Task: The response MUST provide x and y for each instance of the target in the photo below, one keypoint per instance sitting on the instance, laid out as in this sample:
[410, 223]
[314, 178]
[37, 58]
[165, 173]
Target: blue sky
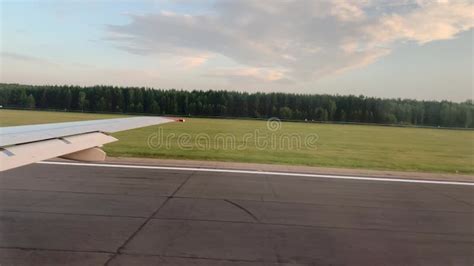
[408, 48]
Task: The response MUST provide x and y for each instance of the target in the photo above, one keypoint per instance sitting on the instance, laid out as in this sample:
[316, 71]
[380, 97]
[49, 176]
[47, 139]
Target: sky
[418, 49]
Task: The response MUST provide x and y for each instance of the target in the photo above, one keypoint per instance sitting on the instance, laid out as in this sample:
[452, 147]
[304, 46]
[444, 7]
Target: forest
[221, 103]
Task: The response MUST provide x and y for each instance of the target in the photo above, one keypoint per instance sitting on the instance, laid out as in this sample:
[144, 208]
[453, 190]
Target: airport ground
[335, 146]
[349, 210]
[122, 214]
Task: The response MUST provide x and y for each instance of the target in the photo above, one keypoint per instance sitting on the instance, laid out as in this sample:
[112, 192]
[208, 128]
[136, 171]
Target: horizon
[412, 49]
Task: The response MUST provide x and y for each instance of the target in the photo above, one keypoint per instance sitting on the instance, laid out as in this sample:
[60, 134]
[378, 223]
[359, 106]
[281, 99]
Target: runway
[53, 214]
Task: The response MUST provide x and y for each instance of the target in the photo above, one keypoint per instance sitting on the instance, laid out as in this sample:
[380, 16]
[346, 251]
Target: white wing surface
[23, 145]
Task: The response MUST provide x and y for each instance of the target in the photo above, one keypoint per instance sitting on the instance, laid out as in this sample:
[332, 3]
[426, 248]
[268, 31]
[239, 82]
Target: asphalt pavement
[82, 215]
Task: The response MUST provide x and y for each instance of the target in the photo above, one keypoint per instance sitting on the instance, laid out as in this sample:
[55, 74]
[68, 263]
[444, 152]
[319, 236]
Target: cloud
[431, 21]
[299, 40]
[26, 58]
[193, 61]
[253, 73]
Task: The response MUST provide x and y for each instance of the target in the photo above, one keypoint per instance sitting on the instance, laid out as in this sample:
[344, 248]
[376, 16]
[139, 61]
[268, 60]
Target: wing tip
[179, 120]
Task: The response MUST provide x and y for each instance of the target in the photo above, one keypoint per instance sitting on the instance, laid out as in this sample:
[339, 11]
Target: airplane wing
[22, 145]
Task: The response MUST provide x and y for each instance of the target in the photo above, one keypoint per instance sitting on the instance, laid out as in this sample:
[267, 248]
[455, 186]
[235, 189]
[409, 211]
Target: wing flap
[23, 154]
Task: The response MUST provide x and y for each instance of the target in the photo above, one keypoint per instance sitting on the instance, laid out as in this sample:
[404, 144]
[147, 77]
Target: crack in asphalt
[120, 249]
[255, 218]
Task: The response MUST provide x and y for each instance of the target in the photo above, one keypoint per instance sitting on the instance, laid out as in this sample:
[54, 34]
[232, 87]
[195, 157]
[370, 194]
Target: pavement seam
[59, 250]
[77, 214]
[80, 192]
[332, 205]
[316, 226]
[148, 219]
[191, 257]
[269, 201]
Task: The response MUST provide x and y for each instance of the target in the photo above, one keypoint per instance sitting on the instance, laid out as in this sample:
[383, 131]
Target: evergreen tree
[240, 104]
[82, 101]
[30, 102]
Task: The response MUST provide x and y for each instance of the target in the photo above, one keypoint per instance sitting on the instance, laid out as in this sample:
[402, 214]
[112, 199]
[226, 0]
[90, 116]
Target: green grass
[346, 146]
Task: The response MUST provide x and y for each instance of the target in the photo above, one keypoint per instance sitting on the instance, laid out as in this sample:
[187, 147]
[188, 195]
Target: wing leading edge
[22, 145]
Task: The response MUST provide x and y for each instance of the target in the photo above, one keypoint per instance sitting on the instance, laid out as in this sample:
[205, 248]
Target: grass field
[345, 146]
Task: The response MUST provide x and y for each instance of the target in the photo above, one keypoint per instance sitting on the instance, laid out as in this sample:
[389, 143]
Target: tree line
[310, 107]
